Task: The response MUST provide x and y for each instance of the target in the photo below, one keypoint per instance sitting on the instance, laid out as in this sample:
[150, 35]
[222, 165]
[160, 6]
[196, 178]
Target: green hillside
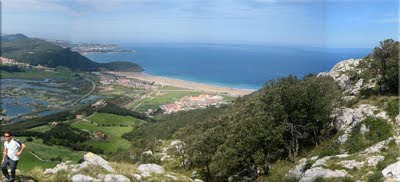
[37, 51]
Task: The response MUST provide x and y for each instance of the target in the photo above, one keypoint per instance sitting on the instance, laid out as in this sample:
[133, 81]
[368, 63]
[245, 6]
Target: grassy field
[112, 119]
[114, 140]
[161, 97]
[37, 74]
[41, 129]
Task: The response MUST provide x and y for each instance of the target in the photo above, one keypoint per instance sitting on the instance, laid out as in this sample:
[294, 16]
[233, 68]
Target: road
[86, 95]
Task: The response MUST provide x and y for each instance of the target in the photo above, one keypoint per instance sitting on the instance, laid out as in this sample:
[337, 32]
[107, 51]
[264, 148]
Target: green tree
[385, 63]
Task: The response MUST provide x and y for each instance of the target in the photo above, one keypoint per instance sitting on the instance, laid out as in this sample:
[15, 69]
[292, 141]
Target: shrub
[29, 139]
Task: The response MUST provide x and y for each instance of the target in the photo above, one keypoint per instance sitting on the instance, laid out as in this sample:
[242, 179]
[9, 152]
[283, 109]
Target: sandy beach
[184, 83]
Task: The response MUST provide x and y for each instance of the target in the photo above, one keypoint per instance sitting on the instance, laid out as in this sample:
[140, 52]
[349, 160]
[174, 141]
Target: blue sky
[320, 23]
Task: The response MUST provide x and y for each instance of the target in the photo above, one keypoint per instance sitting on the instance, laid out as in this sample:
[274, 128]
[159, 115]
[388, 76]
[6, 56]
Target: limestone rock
[377, 147]
[374, 160]
[392, 172]
[319, 172]
[357, 87]
[198, 180]
[115, 177]
[83, 178]
[351, 164]
[93, 159]
[60, 167]
[137, 176]
[321, 162]
[149, 152]
[147, 169]
[338, 72]
[347, 118]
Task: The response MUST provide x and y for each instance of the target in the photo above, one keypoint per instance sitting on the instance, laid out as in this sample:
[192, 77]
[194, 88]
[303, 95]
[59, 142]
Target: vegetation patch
[377, 130]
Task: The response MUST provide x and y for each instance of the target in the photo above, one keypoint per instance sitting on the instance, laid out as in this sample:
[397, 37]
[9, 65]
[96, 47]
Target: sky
[317, 23]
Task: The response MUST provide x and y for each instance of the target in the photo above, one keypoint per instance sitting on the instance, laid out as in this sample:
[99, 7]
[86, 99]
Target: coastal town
[153, 91]
[13, 62]
[193, 102]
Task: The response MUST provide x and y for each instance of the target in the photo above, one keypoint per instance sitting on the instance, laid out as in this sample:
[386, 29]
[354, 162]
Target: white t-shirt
[12, 148]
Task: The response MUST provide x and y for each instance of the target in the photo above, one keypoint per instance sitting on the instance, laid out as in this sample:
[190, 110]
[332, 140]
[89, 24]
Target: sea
[231, 65]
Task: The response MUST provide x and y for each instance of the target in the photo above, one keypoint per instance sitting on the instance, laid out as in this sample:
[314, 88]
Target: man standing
[12, 150]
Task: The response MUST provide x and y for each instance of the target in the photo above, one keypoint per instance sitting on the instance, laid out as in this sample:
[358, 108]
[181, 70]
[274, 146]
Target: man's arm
[20, 151]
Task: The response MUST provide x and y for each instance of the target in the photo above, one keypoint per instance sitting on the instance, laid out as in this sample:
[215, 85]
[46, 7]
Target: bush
[392, 107]
[29, 139]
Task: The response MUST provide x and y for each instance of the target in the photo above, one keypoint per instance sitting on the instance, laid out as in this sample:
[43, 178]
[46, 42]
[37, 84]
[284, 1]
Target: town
[193, 102]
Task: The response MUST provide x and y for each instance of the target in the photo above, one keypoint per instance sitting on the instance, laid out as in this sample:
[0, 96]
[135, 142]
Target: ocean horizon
[230, 65]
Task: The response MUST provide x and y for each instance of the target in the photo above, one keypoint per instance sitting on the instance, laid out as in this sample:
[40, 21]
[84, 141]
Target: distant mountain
[13, 37]
[37, 51]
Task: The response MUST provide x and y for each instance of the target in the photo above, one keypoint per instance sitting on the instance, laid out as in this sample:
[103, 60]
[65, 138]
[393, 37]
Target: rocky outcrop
[377, 147]
[339, 72]
[59, 167]
[392, 172]
[93, 159]
[347, 118]
[319, 172]
[90, 159]
[147, 169]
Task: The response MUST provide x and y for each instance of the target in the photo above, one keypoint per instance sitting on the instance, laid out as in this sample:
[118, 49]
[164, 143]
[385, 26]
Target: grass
[279, 171]
[114, 141]
[114, 120]
[37, 74]
[42, 129]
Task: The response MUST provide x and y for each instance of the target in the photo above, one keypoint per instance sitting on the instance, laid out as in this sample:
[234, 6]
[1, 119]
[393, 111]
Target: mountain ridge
[36, 51]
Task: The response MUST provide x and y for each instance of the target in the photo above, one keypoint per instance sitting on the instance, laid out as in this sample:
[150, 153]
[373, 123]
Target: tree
[385, 63]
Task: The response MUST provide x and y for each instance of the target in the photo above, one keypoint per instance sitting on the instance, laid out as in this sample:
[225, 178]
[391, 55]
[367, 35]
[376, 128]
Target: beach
[185, 84]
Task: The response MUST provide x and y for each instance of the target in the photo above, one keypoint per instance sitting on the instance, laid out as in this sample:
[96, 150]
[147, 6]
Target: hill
[40, 52]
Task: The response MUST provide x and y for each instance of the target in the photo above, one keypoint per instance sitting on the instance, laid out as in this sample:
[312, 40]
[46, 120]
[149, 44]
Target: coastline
[185, 84]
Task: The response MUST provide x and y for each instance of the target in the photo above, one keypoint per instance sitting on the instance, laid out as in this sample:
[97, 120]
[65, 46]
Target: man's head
[7, 136]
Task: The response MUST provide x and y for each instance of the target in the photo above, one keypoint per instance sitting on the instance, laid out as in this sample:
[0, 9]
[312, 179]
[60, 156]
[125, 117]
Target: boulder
[319, 172]
[392, 172]
[93, 159]
[137, 176]
[83, 178]
[115, 177]
[374, 160]
[147, 169]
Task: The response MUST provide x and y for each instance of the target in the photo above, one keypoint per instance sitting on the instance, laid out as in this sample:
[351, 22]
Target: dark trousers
[4, 169]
